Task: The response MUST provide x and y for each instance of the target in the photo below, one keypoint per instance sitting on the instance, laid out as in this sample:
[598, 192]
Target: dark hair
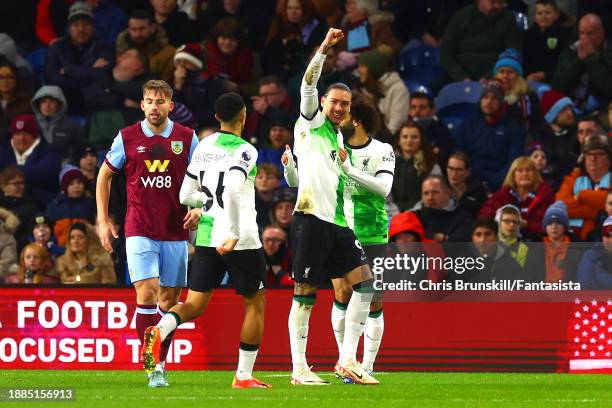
[141, 14]
[268, 169]
[484, 222]
[338, 85]
[228, 27]
[4, 62]
[363, 110]
[548, 3]
[461, 156]
[425, 160]
[272, 79]
[228, 106]
[423, 95]
[9, 173]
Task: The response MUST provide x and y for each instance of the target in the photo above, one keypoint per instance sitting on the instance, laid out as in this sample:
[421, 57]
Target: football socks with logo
[246, 360]
[338, 315]
[356, 316]
[301, 308]
[168, 324]
[372, 336]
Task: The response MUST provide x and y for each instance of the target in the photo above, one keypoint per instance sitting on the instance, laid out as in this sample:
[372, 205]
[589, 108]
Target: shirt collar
[149, 133]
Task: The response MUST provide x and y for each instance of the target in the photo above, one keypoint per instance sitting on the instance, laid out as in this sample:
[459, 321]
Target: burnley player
[154, 154]
[220, 185]
[325, 247]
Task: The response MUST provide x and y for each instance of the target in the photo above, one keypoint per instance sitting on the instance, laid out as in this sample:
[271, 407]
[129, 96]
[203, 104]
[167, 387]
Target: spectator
[594, 269]
[484, 238]
[491, 138]
[422, 111]
[509, 221]
[281, 135]
[147, 37]
[266, 183]
[561, 142]
[281, 208]
[414, 161]
[41, 233]
[523, 103]
[560, 261]
[584, 189]
[14, 96]
[587, 127]
[15, 199]
[272, 97]
[524, 188]
[176, 24]
[470, 195]
[86, 159]
[228, 57]
[295, 29]
[551, 33]
[584, 68]
[278, 257]
[192, 88]
[365, 27]
[8, 50]
[49, 105]
[474, 38]
[70, 205]
[34, 267]
[595, 234]
[438, 212]
[79, 59]
[8, 245]
[379, 81]
[538, 156]
[39, 162]
[85, 261]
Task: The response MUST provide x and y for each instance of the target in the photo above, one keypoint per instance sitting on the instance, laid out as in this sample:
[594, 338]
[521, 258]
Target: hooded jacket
[594, 269]
[8, 246]
[394, 105]
[451, 221]
[8, 50]
[59, 130]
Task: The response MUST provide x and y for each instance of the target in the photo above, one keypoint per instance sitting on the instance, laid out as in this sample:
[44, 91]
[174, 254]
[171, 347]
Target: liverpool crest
[177, 147]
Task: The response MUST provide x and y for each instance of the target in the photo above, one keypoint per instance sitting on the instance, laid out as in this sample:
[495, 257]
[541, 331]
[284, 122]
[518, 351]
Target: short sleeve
[115, 158]
[244, 160]
[194, 144]
[387, 161]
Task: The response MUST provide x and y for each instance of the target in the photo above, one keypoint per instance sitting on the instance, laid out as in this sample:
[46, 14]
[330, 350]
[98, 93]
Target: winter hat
[533, 147]
[283, 194]
[68, 175]
[552, 103]
[596, 142]
[509, 58]
[371, 6]
[557, 211]
[24, 123]
[282, 119]
[80, 11]
[376, 60]
[406, 221]
[606, 228]
[191, 52]
[495, 87]
[79, 226]
[41, 219]
[82, 151]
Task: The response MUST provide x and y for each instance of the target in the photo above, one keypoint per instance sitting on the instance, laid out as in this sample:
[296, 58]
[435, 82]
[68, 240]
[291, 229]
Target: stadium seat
[421, 74]
[36, 59]
[417, 87]
[81, 120]
[465, 92]
[522, 21]
[423, 55]
[539, 87]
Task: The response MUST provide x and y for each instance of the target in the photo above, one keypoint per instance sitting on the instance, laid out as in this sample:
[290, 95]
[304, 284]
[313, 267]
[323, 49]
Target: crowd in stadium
[500, 114]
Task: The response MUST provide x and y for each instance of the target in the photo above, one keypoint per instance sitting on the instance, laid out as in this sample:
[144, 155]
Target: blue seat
[522, 21]
[422, 55]
[452, 123]
[466, 92]
[417, 87]
[422, 74]
[81, 120]
[36, 59]
[539, 87]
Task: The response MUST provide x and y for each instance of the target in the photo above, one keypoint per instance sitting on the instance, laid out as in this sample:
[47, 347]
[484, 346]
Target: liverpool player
[154, 154]
[220, 185]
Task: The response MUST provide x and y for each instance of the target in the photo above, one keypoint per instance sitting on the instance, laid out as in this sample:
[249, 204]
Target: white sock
[246, 361]
[372, 336]
[337, 320]
[159, 367]
[167, 325]
[356, 316]
[298, 333]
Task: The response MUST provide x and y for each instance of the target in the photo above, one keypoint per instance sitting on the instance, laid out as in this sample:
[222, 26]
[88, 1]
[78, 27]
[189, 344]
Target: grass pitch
[212, 389]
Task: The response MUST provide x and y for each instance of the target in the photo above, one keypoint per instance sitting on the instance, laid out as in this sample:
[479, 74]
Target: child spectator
[266, 182]
[86, 159]
[34, 267]
[278, 257]
[41, 229]
[282, 206]
[535, 151]
[560, 262]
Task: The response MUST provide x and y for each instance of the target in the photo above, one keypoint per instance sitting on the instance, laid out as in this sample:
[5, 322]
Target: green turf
[212, 389]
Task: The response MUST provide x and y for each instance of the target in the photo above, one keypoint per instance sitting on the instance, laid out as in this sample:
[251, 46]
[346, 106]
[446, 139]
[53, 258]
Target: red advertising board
[93, 328]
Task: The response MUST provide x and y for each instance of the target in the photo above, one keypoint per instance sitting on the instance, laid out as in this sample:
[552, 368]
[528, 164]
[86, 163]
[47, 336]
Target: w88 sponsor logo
[156, 181]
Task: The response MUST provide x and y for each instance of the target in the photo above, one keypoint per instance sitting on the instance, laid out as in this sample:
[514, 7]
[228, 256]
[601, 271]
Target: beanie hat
[495, 87]
[283, 194]
[552, 103]
[557, 211]
[80, 11]
[191, 52]
[406, 221]
[533, 147]
[79, 226]
[81, 151]
[41, 219]
[282, 119]
[68, 175]
[596, 142]
[371, 6]
[376, 60]
[606, 228]
[510, 58]
[24, 123]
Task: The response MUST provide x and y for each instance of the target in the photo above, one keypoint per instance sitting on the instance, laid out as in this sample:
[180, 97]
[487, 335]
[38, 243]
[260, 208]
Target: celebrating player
[220, 185]
[369, 166]
[324, 244]
[154, 154]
